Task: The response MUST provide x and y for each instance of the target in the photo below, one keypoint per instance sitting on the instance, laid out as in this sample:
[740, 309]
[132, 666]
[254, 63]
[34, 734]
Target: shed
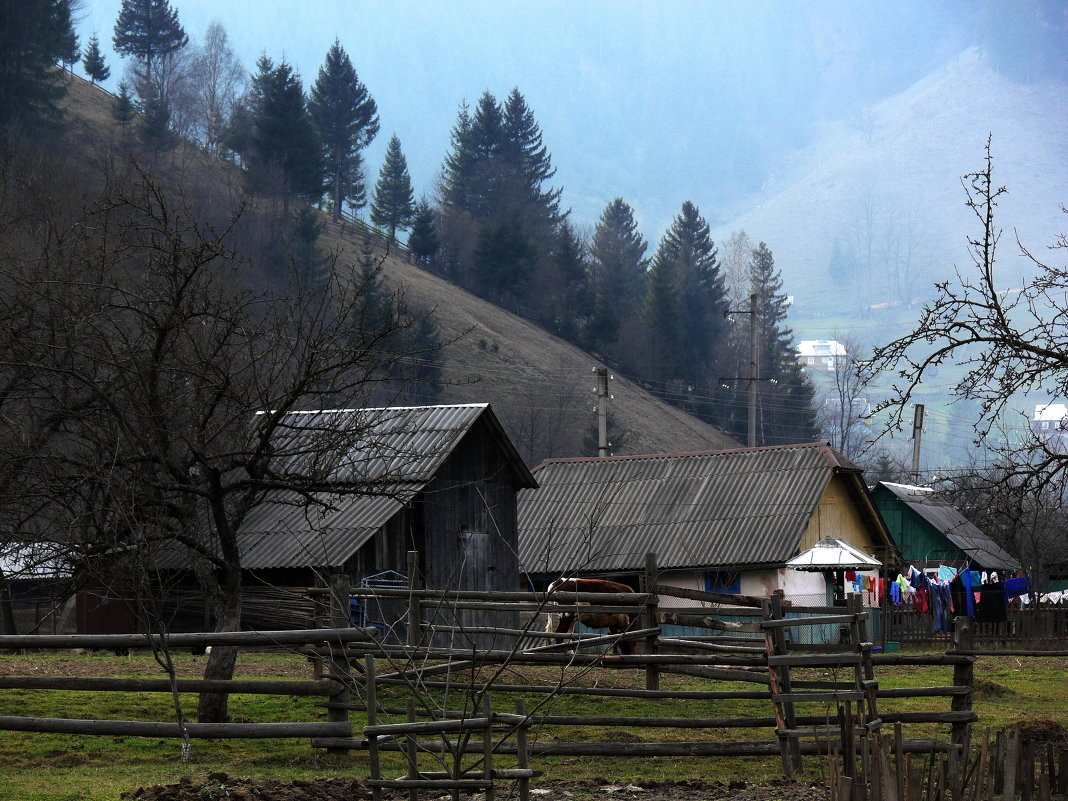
[929, 530]
[723, 520]
[440, 480]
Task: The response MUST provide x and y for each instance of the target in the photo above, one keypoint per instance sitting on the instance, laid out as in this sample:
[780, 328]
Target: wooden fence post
[649, 621]
[340, 672]
[415, 611]
[963, 676]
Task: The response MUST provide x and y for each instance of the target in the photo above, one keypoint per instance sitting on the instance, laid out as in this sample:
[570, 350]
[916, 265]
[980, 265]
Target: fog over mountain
[655, 102]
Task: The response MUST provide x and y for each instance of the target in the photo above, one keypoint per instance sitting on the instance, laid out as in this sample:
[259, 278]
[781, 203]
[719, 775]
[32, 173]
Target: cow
[616, 623]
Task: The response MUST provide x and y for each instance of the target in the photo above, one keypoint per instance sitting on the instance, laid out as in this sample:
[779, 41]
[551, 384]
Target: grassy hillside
[540, 386]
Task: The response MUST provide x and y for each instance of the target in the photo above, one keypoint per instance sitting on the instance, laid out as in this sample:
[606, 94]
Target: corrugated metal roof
[739, 507]
[397, 452]
[954, 526]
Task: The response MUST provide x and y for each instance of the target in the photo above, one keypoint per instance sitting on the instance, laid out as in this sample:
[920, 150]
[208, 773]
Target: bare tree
[1008, 343]
[221, 79]
[182, 390]
[735, 256]
[844, 408]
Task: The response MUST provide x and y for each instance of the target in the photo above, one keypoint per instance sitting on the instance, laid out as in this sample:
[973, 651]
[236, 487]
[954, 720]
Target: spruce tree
[568, 294]
[70, 47]
[423, 235]
[685, 279]
[93, 61]
[125, 109]
[346, 117]
[394, 204]
[485, 137]
[786, 410]
[34, 35]
[146, 30]
[458, 169]
[617, 273]
[155, 127]
[285, 144]
[525, 161]
[504, 261]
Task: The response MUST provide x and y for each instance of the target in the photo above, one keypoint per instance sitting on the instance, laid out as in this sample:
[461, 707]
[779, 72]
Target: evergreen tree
[459, 166]
[504, 261]
[70, 46]
[146, 30]
[685, 279]
[617, 273]
[93, 61]
[34, 35]
[526, 162]
[567, 295]
[307, 257]
[346, 117]
[155, 128]
[125, 109]
[423, 236]
[284, 141]
[486, 181]
[394, 205]
[786, 411]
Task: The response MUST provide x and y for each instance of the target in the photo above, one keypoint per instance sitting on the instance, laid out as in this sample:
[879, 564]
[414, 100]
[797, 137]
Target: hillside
[540, 386]
[887, 188]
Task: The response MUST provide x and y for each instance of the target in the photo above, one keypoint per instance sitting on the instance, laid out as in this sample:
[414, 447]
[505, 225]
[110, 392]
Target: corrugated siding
[743, 507]
[396, 453]
[951, 524]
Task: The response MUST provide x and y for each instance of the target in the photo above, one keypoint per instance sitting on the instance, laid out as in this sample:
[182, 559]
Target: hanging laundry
[992, 607]
[946, 573]
[1016, 587]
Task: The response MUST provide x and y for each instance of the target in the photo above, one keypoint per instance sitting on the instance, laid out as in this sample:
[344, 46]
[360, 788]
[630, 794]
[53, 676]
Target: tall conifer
[285, 142]
[393, 205]
[146, 30]
[423, 237]
[33, 36]
[617, 268]
[93, 61]
[346, 117]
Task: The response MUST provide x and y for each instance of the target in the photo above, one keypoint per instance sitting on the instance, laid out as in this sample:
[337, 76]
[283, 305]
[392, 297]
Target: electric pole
[753, 376]
[602, 410]
[917, 433]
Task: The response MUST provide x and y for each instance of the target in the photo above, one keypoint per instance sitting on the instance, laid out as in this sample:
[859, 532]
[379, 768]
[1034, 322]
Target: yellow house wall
[836, 515]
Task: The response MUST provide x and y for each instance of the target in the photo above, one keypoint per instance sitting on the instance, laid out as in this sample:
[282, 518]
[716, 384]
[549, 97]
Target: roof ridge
[683, 454]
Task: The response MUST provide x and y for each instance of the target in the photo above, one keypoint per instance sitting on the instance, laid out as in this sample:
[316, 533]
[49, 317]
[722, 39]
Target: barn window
[723, 581]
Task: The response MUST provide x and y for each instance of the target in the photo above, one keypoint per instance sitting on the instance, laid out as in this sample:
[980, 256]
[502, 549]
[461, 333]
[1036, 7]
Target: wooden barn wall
[469, 523]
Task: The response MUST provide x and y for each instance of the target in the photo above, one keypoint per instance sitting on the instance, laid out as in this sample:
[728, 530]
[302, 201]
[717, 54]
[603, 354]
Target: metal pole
[602, 411]
[752, 370]
[917, 433]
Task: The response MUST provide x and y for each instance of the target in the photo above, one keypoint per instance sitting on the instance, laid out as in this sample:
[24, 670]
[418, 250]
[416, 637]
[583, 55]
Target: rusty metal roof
[950, 523]
[739, 507]
[396, 453]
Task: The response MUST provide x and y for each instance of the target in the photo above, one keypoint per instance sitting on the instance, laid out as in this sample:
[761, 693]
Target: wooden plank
[916, 692]
[615, 692]
[203, 731]
[707, 622]
[697, 645]
[803, 697]
[819, 620]
[808, 660]
[725, 599]
[324, 687]
[431, 784]
[197, 639]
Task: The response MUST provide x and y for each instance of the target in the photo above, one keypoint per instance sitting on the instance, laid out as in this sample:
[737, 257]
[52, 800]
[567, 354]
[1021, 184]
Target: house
[929, 531]
[440, 480]
[820, 354]
[724, 521]
[1050, 426]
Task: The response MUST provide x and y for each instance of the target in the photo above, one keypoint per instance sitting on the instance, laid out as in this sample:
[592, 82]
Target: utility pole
[917, 433]
[602, 410]
[754, 371]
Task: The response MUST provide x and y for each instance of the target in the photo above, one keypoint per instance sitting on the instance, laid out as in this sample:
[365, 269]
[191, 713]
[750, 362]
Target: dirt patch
[985, 688]
[220, 786]
[1041, 730]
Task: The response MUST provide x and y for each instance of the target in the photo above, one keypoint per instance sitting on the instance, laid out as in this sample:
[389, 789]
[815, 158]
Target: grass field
[50, 766]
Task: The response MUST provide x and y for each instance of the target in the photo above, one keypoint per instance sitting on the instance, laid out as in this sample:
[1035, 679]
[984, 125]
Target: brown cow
[616, 623]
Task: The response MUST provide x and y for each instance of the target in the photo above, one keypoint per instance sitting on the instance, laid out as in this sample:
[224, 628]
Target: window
[723, 581]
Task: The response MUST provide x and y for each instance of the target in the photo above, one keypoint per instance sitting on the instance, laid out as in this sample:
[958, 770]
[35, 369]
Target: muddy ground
[221, 786]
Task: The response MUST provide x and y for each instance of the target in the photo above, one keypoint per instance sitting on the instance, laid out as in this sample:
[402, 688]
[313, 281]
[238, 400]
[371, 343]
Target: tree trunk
[213, 707]
[7, 610]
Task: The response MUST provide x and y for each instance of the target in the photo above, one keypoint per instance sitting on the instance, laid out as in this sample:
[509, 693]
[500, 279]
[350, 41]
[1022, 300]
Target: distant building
[820, 354]
[1050, 424]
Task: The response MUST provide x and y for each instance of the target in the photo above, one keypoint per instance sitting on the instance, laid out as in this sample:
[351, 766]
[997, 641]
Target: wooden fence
[750, 651]
[1026, 627]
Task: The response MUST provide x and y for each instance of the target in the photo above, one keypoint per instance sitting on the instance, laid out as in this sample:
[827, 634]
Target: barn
[440, 480]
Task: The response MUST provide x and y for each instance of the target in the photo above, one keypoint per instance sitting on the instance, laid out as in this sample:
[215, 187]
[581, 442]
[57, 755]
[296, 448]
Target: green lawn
[48, 766]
